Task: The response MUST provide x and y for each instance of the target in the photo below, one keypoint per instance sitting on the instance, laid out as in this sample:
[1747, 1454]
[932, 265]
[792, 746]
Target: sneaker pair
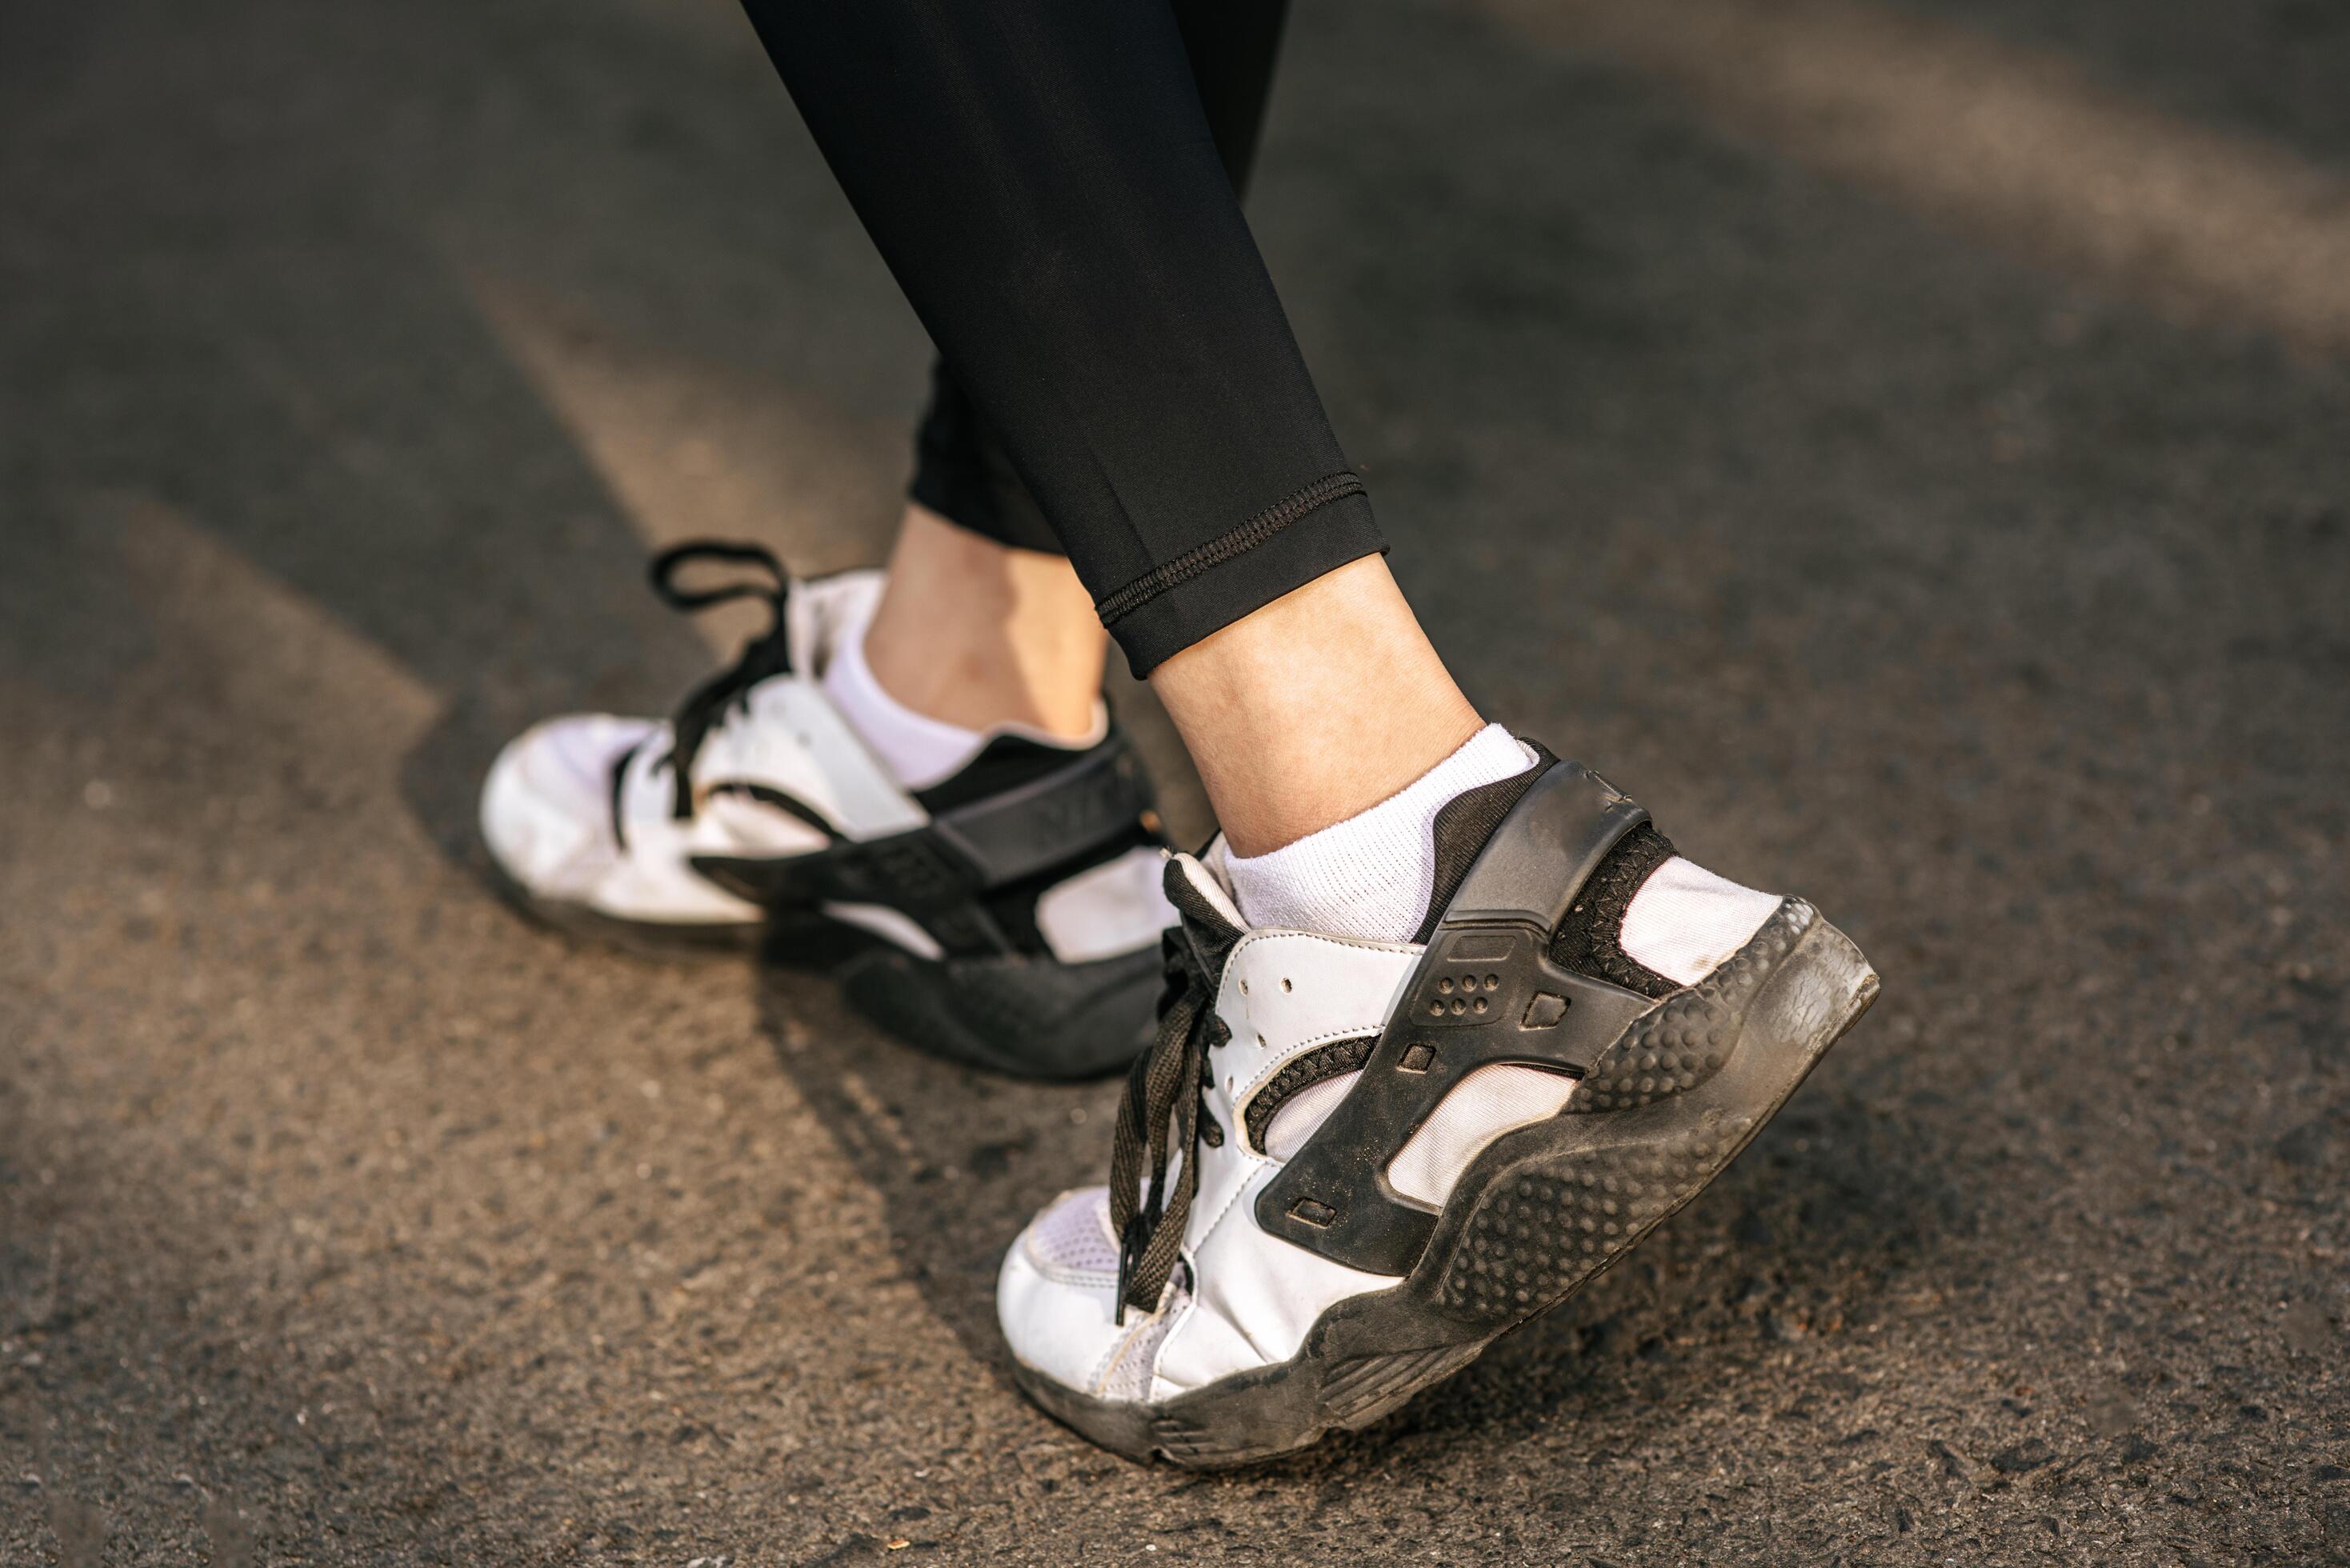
[1341, 1167]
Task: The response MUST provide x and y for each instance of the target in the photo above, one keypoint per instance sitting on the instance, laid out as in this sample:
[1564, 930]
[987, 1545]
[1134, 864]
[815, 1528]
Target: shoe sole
[1028, 1017]
[1536, 1217]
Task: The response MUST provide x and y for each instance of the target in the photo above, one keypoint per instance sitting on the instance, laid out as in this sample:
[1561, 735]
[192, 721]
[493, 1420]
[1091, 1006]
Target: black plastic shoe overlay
[1484, 992]
[936, 874]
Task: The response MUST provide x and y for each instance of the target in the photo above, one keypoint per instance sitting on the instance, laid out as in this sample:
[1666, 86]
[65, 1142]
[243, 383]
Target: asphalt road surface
[1908, 446]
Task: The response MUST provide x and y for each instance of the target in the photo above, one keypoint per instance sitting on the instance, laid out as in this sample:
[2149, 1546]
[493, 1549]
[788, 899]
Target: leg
[1326, 702]
[983, 623]
[962, 471]
[973, 633]
[1044, 181]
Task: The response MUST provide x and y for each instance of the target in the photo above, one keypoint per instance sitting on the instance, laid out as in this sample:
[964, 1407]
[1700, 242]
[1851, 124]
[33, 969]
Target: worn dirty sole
[1537, 1216]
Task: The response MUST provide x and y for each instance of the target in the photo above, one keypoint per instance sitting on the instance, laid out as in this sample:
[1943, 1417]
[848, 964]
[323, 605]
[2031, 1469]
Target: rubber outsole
[1537, 1216]
[1027, 1017]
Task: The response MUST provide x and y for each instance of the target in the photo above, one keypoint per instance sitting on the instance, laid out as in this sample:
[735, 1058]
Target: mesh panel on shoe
[1129, 1378]
[1588, 940]
[1339, 1057]
[1304, 1111]
[1685, 920]
[1484, 1106]
[1073, 1236]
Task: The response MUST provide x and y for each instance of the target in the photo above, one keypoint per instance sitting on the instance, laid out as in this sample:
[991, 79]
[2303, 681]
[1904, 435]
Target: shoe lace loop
[707, 707]
[1162, 1112]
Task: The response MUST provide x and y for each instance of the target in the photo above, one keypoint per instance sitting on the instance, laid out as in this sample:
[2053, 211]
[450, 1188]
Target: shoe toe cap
[545, 809]
[1057, 1297]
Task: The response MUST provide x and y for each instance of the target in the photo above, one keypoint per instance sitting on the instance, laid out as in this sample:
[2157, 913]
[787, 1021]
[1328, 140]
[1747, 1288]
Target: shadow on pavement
[960, 1159]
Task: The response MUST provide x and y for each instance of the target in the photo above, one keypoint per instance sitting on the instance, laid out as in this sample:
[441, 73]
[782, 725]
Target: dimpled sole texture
[1550, 1231]
[1680, 1045]
[1539, 1214]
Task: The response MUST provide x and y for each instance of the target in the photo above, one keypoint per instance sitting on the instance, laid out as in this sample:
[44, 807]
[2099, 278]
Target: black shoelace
[707, 705]
[1162, 1110]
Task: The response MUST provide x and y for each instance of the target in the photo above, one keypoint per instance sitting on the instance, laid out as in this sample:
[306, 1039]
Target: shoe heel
[1563, 1202]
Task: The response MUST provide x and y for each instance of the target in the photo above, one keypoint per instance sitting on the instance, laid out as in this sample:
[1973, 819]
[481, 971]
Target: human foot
[1347, 1166]
[1006, 913]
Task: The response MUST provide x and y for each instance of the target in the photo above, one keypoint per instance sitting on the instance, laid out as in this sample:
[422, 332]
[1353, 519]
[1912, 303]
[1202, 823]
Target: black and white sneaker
[1007, 917]
[1347, 1167]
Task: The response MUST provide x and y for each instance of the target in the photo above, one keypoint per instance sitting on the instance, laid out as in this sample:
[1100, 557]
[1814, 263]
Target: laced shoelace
[1161, 1111]
[707, 707]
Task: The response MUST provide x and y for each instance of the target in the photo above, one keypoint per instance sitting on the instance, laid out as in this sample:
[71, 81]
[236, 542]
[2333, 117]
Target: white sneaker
[1008, 916]
[1346, 1167]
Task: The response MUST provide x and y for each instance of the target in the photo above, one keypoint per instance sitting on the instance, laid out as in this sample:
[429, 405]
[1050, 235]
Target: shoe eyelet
[1284, 982]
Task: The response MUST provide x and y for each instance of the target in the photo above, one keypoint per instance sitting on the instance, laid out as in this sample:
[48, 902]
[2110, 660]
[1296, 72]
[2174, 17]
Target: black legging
[1053, 184]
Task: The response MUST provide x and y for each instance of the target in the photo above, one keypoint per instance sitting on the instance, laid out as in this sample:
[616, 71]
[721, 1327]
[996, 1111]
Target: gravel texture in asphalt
[1945, 517]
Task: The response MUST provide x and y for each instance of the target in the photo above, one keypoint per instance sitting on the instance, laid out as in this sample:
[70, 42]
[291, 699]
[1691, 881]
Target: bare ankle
[975, 633]
[1315, 708]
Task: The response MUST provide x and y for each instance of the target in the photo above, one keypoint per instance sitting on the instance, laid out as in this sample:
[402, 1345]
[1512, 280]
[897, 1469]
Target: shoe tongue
[1205, 874]
[820, 611]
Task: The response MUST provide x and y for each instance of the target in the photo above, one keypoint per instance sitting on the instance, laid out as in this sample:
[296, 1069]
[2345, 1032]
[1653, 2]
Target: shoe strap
[1485, 991]
[939, 875]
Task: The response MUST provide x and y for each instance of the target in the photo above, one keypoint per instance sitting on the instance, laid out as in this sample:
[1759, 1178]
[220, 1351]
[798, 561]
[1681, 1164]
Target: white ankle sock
[916, 751]
[1370, 876]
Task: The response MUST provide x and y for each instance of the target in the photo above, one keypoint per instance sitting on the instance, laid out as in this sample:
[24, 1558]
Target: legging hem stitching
[1123, 602]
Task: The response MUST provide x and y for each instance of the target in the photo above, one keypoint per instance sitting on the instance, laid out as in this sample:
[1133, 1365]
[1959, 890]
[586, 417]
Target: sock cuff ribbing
[1371, 875]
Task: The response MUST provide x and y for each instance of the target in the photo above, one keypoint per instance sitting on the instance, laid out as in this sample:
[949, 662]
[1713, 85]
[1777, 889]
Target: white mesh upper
[1073, 1236]
[1130, 1374]
[1303, 1112]
[545, 808]
[1071, 1242]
